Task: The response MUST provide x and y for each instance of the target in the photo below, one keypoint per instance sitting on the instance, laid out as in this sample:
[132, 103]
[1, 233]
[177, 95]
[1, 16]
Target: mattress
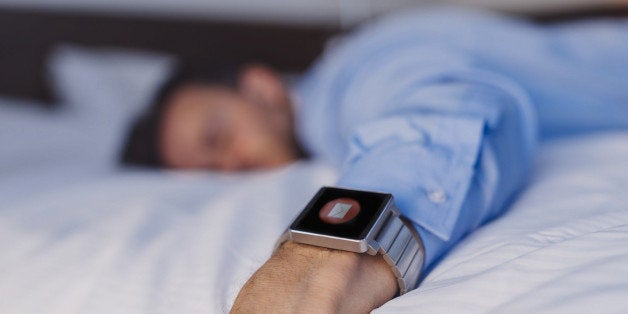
[80, 237]
[80, 234]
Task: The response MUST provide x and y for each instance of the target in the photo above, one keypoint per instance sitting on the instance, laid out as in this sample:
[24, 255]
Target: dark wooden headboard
[27, 36]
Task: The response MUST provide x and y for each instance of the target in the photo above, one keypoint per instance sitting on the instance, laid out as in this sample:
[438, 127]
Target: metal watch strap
[404, 254]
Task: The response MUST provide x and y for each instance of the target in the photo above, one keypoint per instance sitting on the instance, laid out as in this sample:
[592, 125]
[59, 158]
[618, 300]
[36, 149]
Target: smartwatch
[362, 222]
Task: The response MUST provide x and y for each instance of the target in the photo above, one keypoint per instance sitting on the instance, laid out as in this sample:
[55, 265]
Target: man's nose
[232, 162]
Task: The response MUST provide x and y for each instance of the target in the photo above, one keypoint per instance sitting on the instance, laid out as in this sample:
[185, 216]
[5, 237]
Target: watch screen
[342, 213]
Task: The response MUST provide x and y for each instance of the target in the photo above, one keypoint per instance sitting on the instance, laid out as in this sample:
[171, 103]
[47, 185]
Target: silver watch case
[366, 245]
[391, 235]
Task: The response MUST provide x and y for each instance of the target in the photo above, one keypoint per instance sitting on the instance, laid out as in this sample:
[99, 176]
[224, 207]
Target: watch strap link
[402, 249]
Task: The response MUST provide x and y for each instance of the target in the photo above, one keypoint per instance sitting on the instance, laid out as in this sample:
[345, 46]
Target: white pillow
[111, 79]
[105, 89]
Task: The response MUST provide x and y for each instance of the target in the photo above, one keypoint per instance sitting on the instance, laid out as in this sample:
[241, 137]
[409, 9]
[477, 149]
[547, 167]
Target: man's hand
[303, 278]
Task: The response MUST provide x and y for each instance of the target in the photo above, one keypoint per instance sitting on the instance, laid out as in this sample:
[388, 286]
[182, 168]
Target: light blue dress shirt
[443, 108]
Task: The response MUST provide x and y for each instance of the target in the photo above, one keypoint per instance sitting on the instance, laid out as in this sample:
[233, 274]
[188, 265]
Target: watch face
[341, 213]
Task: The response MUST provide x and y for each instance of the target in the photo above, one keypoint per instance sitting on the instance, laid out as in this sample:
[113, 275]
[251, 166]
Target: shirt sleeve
[435, 108]
[451, 141]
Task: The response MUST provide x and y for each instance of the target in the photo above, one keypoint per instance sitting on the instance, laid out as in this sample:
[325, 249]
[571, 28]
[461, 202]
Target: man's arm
[450, 140]
[304, 278]
[400, 72]
[394, 159]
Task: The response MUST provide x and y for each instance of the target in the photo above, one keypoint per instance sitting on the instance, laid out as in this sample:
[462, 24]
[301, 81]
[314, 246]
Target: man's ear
[264, 86]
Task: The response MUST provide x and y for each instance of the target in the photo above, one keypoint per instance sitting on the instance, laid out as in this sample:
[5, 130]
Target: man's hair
[142, 142]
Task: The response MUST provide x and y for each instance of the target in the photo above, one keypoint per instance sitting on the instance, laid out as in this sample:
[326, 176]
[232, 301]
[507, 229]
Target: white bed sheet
[562, 248]
[77, 237]
[139, 242]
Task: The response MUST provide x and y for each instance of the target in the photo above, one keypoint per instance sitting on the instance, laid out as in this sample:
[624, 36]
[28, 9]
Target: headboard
[27, 36]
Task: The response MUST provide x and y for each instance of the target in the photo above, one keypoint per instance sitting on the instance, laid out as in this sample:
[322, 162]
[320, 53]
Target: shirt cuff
[426, 161]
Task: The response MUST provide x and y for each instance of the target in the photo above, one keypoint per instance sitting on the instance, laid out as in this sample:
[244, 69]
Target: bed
[79, 234]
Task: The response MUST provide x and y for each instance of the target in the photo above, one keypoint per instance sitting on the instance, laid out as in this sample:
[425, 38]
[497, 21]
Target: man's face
[213, 127]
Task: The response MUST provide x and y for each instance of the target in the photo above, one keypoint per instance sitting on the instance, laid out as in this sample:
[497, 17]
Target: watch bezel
[359, 244]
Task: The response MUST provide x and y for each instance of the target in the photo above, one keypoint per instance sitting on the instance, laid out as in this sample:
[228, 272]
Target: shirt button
[437, 196]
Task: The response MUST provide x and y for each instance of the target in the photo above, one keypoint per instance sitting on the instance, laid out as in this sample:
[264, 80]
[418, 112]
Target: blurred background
[285, 34]
[80, 234]
[317, 12]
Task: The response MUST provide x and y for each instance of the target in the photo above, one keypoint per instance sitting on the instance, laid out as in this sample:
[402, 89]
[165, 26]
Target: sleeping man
[441, 109]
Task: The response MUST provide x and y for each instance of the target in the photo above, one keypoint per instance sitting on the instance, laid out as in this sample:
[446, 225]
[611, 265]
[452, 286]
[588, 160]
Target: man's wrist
[319, 278]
